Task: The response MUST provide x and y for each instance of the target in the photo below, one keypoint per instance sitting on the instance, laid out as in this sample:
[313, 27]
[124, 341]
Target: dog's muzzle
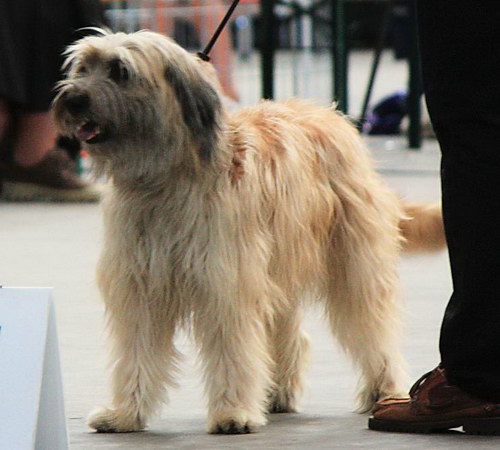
[77, 105]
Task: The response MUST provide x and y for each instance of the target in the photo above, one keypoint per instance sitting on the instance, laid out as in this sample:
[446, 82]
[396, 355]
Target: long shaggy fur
[423, 230]
[229, 224]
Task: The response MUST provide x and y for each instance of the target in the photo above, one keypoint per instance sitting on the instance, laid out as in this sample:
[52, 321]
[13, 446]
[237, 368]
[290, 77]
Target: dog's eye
[81, 70]
[117, 71]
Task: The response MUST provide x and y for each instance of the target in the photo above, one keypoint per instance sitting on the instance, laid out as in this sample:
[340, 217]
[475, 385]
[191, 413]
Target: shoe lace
[420, 382]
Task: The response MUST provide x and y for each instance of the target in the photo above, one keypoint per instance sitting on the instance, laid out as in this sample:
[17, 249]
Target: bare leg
[36, 136]
[5, 118]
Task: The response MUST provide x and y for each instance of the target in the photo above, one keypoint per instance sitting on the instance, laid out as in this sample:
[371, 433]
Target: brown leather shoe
[52, 179]
[436, 405]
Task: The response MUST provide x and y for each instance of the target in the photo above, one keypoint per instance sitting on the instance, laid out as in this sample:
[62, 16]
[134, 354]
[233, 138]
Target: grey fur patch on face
[200, 105]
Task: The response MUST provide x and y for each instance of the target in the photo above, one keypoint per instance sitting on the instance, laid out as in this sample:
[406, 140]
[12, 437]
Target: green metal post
[267, 47]
[339, 63]
[414, 84]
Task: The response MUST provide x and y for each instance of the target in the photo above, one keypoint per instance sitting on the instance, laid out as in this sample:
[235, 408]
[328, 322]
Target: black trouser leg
[460, 47]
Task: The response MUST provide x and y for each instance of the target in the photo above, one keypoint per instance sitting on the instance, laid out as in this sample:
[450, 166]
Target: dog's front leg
[144, 359]
[236, 362]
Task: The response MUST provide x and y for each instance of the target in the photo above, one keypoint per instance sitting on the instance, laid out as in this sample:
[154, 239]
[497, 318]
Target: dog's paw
[276, 407]
[281, 402]
[114, 421]
[234, 423]
[232, 427]
[368, 398]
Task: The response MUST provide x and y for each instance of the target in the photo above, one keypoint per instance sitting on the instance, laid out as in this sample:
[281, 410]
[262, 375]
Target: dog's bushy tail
[422, 228]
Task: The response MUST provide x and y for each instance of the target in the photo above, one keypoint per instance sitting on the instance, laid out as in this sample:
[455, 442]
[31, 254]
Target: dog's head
[138, 90]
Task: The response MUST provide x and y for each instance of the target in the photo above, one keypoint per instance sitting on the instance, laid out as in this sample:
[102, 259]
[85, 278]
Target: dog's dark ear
[200, 105]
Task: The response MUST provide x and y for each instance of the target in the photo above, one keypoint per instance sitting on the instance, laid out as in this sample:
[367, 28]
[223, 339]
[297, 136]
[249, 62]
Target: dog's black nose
[77, 103]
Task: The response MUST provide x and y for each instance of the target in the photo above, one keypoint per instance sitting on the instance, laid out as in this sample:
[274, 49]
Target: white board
[31, 394]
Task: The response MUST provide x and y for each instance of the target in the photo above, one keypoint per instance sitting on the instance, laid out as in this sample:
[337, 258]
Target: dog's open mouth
[89, 132]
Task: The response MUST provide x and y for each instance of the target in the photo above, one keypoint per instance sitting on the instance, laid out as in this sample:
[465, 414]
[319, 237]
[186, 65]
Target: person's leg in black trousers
[460, 49]
[460, 45]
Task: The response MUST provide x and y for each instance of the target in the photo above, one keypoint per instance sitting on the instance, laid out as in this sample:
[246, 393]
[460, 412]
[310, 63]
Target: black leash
[204, 54]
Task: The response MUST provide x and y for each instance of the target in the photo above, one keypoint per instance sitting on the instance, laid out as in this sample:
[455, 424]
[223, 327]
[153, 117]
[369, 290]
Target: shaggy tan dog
[229, 224]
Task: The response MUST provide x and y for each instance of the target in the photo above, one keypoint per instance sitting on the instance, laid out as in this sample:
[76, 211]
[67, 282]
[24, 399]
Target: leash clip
[204, 54]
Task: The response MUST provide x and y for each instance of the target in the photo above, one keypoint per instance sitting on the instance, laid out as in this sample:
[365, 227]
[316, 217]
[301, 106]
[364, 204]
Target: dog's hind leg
[363, 309]
[144, 360]
[236, 362]
[289, 347]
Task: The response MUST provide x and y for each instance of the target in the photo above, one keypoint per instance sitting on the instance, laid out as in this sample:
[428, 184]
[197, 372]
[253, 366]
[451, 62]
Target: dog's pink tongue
[87, 131]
